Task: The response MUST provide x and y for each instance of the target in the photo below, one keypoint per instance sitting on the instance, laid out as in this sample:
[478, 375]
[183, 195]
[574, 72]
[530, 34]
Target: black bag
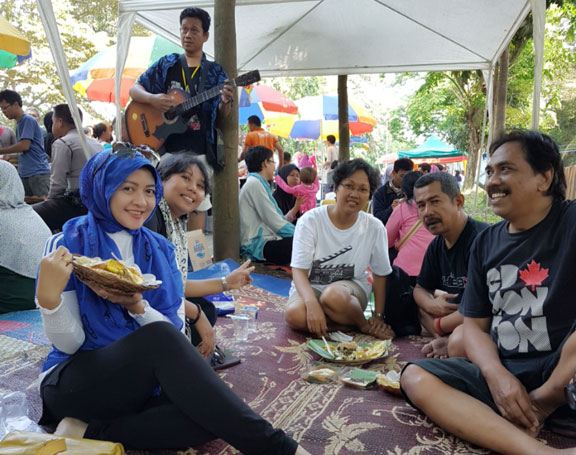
[401, 311]
[216, 153]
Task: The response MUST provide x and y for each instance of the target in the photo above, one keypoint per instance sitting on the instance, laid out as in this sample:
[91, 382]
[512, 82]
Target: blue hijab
[105, 322]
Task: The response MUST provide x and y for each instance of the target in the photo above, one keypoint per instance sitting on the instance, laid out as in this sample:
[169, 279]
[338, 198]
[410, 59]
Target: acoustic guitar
[147, 125]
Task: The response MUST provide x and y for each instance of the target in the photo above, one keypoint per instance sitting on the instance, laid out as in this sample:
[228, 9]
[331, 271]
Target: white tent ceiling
[319, 37]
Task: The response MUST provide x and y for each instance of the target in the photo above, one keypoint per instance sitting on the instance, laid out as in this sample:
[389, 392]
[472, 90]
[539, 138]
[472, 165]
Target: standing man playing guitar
[193, 73]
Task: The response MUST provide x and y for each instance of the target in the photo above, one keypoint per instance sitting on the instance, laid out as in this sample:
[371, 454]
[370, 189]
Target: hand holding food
[112, 274]
[55, 271]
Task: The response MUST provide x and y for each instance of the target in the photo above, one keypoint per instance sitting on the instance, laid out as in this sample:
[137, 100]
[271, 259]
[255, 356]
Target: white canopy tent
[323, 37]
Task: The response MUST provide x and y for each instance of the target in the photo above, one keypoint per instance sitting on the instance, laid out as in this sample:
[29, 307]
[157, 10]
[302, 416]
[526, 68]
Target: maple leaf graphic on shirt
[533, 275]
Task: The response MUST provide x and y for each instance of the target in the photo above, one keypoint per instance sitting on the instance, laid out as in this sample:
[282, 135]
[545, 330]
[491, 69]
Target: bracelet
[377, 315]
[224, 283]
[195, 320]
[437, 327]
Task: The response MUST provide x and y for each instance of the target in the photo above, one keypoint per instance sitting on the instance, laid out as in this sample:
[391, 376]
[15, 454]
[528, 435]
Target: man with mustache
[444, 271]
[518, 310]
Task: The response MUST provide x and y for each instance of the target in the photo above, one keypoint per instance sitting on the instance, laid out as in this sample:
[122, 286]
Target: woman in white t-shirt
[333, 247]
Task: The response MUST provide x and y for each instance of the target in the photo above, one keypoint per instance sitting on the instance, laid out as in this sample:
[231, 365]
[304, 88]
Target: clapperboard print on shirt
[326, 274]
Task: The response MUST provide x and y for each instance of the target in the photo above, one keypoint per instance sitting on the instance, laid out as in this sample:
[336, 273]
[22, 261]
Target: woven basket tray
[109, 280]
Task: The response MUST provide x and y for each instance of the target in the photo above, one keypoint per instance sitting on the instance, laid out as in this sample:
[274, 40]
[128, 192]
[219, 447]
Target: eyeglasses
[271, 160]
[128, 150]
[6, 106]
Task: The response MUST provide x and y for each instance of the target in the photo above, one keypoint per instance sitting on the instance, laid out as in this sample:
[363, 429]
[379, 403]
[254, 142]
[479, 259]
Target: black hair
[255, 156]
[408, 184]
[542, 153]
[47, 120]
[425, 167]
[440, 167]
[347, 168]
[334, 164]
[62, 111]
[331, 138]
[11, 97]
[403, 164]
[287, 157]
[99, 129]
[448, 183]
[255, 120]
[197, 13]
[178, 163]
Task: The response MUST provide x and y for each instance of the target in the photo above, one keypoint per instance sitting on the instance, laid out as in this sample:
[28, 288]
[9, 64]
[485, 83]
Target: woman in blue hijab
[120, 368]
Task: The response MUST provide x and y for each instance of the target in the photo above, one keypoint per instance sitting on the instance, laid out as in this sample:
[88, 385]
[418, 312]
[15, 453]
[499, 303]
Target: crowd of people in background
[495, 300]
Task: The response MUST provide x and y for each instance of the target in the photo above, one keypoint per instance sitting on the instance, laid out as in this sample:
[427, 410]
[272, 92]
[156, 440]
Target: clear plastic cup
[252, 313]
[241, 326]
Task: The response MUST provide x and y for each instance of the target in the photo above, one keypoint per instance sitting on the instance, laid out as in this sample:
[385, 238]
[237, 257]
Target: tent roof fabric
[433, 147]
[292, 37]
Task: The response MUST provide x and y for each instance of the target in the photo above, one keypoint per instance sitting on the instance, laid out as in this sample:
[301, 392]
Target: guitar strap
[189, 77]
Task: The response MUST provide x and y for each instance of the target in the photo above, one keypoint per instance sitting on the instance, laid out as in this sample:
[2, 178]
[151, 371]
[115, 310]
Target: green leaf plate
[318, 347]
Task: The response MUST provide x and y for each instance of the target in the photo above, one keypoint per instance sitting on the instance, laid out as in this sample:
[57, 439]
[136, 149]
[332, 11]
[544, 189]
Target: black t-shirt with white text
[447, 269]
[523, 281]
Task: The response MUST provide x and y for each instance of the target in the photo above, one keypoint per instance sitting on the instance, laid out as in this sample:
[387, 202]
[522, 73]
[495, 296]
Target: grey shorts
[354, 288]
[36, 185]
[465, 376]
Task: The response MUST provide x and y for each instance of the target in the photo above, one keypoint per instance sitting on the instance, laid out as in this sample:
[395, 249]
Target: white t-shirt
[332, 254]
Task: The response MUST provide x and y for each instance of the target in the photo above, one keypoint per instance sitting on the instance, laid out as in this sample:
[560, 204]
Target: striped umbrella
[264, 102]
[14, 47]
[95, 78]
[318, 118]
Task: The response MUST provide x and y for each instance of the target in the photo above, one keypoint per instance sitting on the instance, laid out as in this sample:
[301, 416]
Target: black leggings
[278, 251]
[112, 389]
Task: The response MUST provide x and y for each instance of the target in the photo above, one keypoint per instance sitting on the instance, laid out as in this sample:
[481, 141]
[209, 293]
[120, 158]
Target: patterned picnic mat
[328, 419]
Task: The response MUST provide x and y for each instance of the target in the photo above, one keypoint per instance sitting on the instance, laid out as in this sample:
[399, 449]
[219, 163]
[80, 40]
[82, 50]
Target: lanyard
[191, 77]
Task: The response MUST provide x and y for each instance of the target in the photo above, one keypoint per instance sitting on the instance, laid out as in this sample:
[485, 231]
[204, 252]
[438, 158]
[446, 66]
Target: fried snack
[390, 382]
[320, 374]
[110, 273]
[350, 351]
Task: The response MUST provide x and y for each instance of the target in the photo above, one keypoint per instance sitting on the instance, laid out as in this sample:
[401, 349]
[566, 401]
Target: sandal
[221, 359]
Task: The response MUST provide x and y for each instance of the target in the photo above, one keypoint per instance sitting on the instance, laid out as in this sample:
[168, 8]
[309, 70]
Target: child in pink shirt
[308, 188]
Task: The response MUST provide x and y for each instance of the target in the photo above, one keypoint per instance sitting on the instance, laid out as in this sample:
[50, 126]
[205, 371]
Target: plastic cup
[252, 313]
[241, 326]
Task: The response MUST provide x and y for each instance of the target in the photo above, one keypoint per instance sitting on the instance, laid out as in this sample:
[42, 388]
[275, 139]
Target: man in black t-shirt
[443, 275]
[519, 312]
[198, 76]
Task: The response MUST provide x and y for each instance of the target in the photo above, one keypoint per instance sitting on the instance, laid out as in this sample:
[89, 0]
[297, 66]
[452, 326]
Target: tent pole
[53, 36]
[539, 23]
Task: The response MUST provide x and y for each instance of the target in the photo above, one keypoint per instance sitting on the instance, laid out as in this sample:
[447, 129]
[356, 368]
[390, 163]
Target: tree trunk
[500, 90]
[343, 127]
[225, 210]
[474, 124]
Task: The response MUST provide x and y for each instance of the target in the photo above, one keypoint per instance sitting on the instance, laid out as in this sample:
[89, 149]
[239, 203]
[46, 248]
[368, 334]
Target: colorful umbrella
[95, 78]
[14, 47]
[318, 117]
[264, 102]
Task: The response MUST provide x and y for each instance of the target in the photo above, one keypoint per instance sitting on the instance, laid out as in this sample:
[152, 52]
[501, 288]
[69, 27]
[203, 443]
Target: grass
[483, 211]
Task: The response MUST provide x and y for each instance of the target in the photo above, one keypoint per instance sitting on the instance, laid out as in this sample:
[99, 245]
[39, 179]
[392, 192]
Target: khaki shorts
[354, 288]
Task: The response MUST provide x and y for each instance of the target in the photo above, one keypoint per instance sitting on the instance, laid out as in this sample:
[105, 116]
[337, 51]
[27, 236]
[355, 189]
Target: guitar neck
[201, 97]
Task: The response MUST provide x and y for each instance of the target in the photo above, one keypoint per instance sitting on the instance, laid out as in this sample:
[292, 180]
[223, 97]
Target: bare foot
[437, 348]
[382, 331]
[71, 427]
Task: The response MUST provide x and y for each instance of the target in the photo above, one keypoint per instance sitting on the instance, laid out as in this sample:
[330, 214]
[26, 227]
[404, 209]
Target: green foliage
[298, 87]
[477, 206]
[36, 79]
